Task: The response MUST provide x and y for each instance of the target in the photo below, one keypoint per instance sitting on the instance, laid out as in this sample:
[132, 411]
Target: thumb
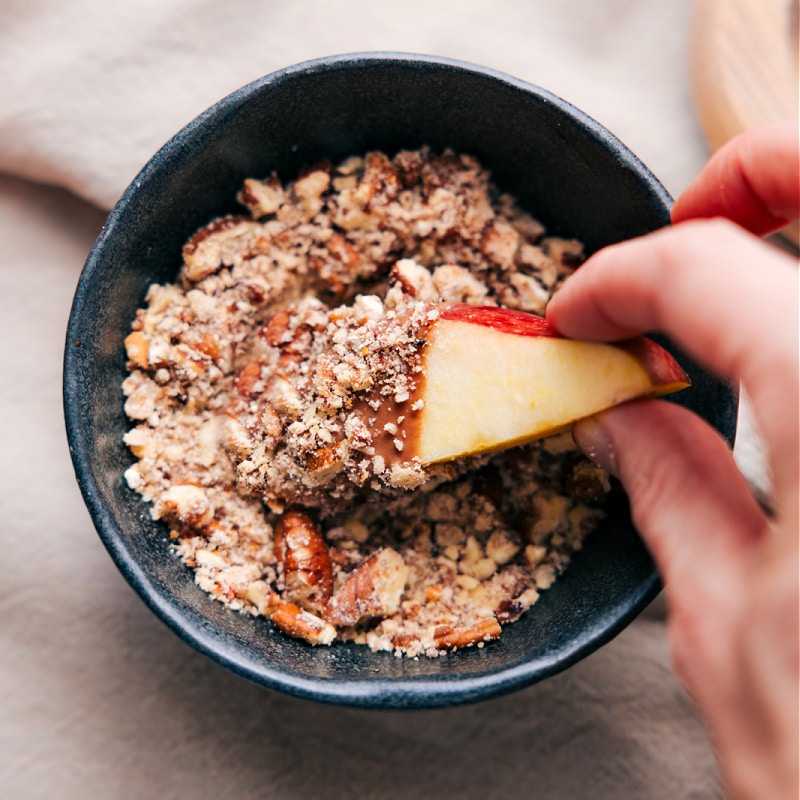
[689, 501]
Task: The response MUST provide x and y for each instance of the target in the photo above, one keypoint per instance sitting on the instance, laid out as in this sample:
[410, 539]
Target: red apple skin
[502, 320]
[664, 371]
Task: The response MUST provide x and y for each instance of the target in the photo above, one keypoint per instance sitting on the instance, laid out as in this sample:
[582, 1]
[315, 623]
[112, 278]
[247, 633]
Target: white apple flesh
[495, 378]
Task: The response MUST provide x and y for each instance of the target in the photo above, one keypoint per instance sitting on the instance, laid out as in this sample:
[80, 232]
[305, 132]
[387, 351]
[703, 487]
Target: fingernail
[591, 437]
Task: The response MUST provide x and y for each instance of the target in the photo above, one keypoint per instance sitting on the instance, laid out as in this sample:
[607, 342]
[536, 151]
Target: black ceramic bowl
[564, 168]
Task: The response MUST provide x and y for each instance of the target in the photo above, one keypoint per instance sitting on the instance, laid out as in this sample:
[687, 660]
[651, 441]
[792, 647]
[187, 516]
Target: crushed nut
[448, 638]
[186, 503]
[304, 563]
[371, 590]
[244, 374]
[302, 624]
[136, 346]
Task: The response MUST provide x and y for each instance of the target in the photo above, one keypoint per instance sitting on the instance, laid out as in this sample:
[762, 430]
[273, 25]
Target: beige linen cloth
[97, 698]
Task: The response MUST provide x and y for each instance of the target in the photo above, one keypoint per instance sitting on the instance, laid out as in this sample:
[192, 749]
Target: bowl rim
[404, 692]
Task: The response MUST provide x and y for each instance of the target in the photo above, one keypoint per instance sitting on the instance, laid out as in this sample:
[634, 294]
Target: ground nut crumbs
[271, 390]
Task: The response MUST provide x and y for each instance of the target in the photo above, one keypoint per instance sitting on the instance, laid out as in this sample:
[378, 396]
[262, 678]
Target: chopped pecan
[235, 437]
[409, 166]
[325, 462]
[206, 251]
[256, 293]
[534, 555]
[262, 197]
[217, 226]
[304, 563]
[247, 379]
[509, 582]
[263, 597]
[414, 279]
[509, 611]
[382, 175]
[186, 503]
[275, 329]
[448, 638]
[208, 344]
[502, 546]
[342, 558]
[438, 170]
[302, 624]
[567, 252]
[587, 481]
[404, 641]
[499, 243]
[433, 593]
[136, 346]
[373, 589]
[343, 251]
[309, 188]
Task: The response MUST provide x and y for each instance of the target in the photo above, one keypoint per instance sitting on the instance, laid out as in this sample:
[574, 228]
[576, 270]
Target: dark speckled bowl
[564, 167]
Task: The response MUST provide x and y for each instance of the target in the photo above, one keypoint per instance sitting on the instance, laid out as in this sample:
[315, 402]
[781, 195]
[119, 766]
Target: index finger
[752, 180]
[726, 298]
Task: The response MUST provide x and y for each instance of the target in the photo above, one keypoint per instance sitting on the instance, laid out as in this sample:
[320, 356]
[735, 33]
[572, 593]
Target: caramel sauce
[395, 426]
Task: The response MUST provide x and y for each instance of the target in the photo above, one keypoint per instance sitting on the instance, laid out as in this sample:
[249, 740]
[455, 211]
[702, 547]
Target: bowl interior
[564, 168]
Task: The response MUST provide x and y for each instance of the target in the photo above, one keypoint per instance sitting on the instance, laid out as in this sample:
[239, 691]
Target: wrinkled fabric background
[97, 698]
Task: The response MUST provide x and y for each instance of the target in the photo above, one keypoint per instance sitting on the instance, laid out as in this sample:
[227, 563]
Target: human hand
[730, 571]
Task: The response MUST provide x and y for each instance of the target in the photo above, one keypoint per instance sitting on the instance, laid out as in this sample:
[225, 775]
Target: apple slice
[494, 378]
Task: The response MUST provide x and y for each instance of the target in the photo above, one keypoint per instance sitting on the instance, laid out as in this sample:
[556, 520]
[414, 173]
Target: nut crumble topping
[273, 398]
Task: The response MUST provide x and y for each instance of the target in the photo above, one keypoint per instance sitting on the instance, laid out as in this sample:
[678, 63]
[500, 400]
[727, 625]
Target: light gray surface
[97, 698]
